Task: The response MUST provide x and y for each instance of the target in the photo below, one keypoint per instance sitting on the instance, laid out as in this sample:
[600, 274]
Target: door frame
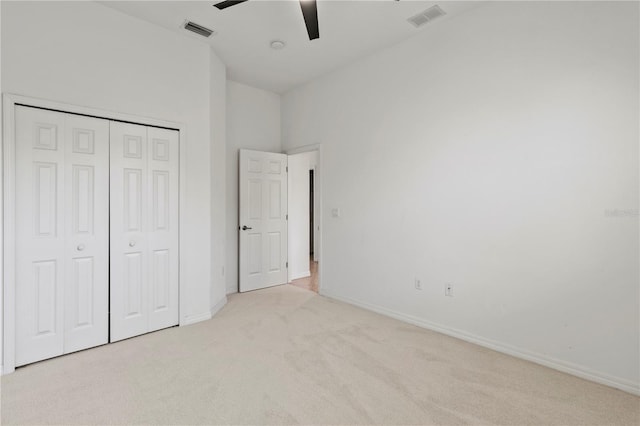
[319, 176]
[244, 275]
[7, 208]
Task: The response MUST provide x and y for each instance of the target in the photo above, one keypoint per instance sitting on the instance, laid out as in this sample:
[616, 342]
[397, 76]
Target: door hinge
[287, 264]
[286, 217]
[287, 168]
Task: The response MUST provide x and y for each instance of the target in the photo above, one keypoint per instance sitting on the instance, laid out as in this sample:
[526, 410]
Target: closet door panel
[129, 258]
[163, 233]
[40, 232]
[87, 236]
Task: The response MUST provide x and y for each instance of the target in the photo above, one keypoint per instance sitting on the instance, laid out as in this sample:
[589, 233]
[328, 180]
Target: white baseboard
[5, 370]
[205, 315]
[192, 319]
[556, 364]
[216, 308]
[305, 274]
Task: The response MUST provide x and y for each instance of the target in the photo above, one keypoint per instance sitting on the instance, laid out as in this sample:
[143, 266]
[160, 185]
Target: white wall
[86, 54]
[298, 182]
[486, 152]
[218, 127]
[253, 122]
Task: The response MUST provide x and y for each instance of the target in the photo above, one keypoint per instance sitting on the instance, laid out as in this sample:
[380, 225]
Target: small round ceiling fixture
[277, 44]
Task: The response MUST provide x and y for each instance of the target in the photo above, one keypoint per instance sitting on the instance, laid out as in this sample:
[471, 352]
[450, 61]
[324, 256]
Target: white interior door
[262, 219]
[61, 233]
[144, 229]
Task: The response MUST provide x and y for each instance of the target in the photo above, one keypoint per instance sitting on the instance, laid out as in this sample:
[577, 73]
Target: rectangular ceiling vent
[428, 15]
[198, 29]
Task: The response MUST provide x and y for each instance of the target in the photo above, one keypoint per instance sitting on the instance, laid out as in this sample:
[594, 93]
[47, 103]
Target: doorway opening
[310, 282]
[304, 220]
[289, 222]
[311, 213]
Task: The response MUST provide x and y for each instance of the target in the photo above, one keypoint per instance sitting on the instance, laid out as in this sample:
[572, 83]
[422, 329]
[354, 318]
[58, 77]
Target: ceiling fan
[309, 12]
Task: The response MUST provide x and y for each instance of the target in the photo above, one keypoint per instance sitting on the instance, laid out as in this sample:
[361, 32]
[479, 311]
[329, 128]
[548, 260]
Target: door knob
[132, 243]
[80, 247]
[245, 227]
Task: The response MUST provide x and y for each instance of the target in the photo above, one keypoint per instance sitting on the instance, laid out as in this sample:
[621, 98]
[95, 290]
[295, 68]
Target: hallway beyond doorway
[310, 282]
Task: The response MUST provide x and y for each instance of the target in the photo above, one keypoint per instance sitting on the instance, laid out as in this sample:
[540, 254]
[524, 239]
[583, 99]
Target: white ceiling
[349, 30]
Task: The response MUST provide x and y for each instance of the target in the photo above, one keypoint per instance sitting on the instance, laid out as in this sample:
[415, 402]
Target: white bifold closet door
[62, 233]
[144, 229]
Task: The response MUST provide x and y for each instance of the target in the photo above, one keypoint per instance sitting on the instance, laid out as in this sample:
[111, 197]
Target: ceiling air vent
[428, 15]
[198, 29]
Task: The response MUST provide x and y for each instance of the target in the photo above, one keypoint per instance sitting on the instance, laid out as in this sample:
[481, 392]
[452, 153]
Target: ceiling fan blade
[228, 3]
[310, 13]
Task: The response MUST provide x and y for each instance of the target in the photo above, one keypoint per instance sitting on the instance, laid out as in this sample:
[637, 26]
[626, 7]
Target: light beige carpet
[288, 356]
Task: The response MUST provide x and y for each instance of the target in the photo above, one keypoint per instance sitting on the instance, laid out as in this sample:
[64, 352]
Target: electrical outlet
[448, 289]
[418, 284]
